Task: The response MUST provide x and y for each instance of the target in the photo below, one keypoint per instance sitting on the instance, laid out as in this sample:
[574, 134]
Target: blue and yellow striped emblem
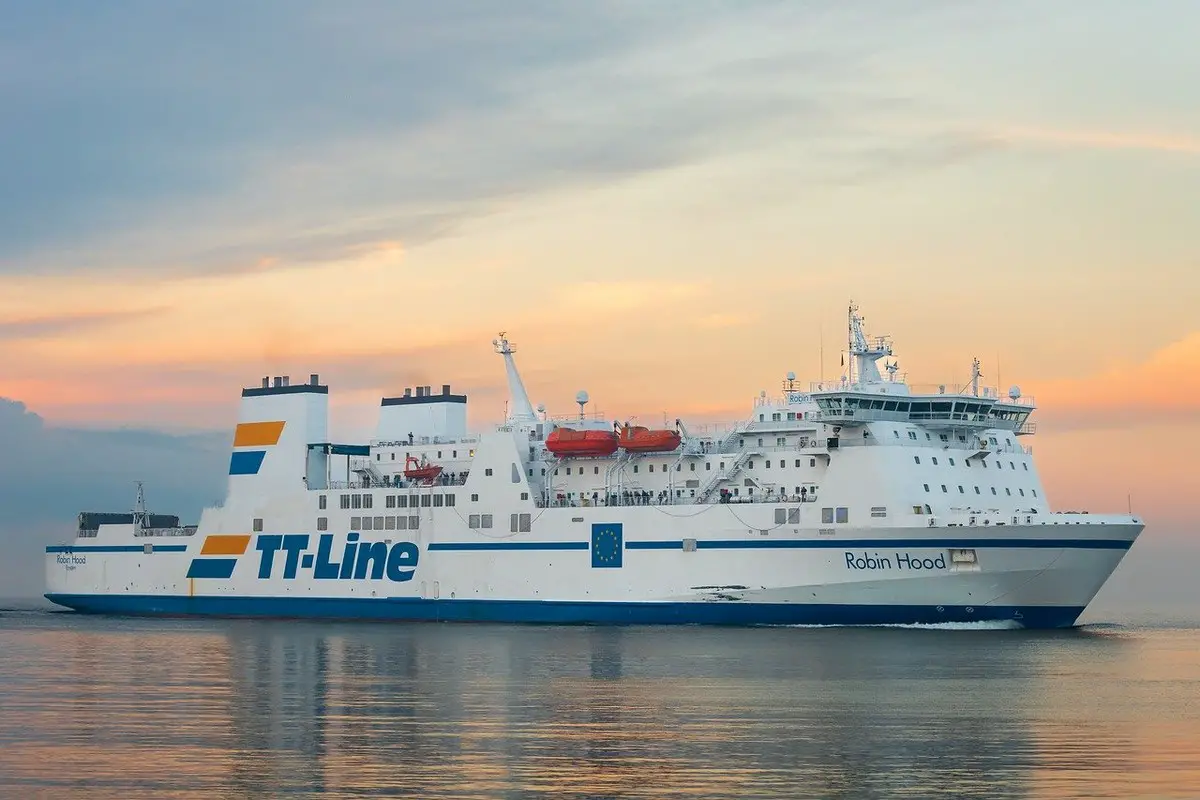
[219, 544]
[257, 435]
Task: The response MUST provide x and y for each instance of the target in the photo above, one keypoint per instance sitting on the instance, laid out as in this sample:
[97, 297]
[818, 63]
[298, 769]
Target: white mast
[140, 522]
[864, 354]
[521, 408]
[976, 374]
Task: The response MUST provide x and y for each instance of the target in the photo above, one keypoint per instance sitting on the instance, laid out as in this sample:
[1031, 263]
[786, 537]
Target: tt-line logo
[359, 560]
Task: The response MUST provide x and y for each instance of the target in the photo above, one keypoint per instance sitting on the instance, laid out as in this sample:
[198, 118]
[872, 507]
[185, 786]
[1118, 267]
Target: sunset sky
[668, 204]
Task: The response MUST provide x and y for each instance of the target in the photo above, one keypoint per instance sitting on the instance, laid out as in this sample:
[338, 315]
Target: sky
[668, 205]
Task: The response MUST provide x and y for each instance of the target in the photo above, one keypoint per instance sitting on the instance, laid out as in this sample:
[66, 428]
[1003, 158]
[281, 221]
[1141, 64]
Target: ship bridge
[865, 396]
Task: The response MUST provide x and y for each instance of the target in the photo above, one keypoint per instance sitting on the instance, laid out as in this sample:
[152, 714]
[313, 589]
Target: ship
[861, 500]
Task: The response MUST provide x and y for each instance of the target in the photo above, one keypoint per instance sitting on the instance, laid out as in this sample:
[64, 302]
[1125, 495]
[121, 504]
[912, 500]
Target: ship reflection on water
[253, 709]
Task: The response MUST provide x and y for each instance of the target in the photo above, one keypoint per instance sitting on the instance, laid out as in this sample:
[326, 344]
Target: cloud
[1161, 390]
[1179, 144]
[47, 327]
[50, 474]
[287, 134]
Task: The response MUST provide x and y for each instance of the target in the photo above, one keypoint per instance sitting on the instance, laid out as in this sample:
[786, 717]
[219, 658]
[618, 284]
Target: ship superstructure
[858, 501]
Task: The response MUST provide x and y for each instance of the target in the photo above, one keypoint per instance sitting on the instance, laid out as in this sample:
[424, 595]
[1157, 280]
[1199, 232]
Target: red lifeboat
[638, 439]
[420, 470]
[570, 442]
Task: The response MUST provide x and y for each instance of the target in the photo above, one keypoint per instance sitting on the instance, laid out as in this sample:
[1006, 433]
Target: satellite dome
[1014, 392]
[791, 376]
[581, 396]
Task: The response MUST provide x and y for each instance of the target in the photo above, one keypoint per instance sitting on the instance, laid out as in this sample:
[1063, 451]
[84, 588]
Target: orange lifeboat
[420, 470]
[570, 442]
[638, 439]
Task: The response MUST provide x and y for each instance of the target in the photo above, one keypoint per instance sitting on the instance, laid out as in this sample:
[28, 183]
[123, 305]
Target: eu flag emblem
[608, 544]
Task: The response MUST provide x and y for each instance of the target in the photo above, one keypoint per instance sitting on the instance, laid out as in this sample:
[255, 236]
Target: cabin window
[843, 514]
[258, 526]
[366, 523]
[1008, 491]
[976, 490]
[722, 466]
[488, 472]
[390, 502]
[1026, 466]
[812, 462]
[355, 523]
[390, 523]
[793, 517]
[749, 465]
[943, 488]
[918, 510]
[356, 501]
[523, 522]
[439, 455]
[1022, 491]
[322, 523]
[413, 522]
[693, 466]
[485, 521]
[402, 523]
[450, 499]
[595, 470]
[768, 466]
[926, 485]
[916, 459]
[960, 489]
[1012, 466]
[1034, 492]
[439, 500]
[878, 511]
[379, 456]
[896, 434]
[952, 462]
[366, 501]
[345, 501]
[827, 516]
[635, 467]
[797, 462]
[524, 496]
[454, 454]
[707, 466]
[473, 521]
[402, 501]
[379, 523]
[780, 516]
[935, 461]
[426, 501]
[321, 502]
[993, 490]
[393, 456]
[650, 468]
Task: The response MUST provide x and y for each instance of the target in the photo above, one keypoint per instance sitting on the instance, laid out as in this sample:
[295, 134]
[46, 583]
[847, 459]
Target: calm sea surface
[127, 708]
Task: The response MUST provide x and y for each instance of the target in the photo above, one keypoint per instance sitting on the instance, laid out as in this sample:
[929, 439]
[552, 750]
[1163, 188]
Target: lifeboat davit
[638, 439]
[570, 442]
[420, 470]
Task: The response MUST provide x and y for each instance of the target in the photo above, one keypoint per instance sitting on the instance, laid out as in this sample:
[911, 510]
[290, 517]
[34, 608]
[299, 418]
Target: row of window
[812, 462]
[383, 523]
[1011, 465]
[453, 454]
[426, 500]
[1007, 491]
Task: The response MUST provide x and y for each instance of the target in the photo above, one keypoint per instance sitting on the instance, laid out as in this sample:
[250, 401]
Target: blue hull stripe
[562, 612]
[115, 548]
[842, 544]
[507, 546]
[715, 544]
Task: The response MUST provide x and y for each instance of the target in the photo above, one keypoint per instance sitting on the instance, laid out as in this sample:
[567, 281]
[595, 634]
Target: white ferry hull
[868, 577]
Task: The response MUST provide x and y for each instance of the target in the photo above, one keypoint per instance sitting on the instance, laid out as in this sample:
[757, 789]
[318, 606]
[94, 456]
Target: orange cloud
[1166, 387]
[1103, 140]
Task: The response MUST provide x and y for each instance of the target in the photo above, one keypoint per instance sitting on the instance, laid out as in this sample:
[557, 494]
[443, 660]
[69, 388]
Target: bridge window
[322, 523]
